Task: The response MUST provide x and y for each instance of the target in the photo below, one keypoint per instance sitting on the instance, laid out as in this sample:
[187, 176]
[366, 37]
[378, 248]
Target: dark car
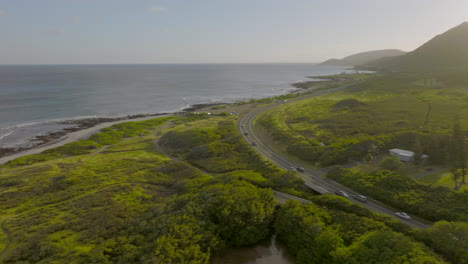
[342, 193]
[246, 133]
[254, 143]
[300, 169]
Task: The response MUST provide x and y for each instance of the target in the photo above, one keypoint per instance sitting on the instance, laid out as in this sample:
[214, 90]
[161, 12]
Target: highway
[245, 128]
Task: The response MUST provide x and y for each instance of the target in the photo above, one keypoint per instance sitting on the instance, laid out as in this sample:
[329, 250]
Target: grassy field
[68, 202]
[118, 198]
[360, 124]
[336, 127]
[55, 200]
[444, 179]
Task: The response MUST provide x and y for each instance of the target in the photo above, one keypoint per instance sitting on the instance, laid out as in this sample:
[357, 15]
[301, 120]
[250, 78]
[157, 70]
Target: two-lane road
[245, 128]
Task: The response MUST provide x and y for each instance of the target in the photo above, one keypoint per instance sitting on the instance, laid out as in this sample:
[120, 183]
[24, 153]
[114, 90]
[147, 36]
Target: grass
[56, 198]
[387, 106]
[75, 201]
[443, 178]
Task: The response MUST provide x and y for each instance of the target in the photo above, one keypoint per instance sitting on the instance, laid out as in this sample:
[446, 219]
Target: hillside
[364, 57]
[447, 52]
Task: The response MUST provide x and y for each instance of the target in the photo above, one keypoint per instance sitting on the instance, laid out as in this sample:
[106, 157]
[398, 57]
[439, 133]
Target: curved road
[245, 128]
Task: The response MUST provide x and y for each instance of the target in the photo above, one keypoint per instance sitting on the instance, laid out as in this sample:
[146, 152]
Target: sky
[215, 31]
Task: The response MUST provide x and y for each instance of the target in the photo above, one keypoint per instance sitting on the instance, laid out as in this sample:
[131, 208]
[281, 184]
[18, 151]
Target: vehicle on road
[292, 168]
[246, 133]
[342, 193]
[242, 125]
[403, 215]
[254, 143]
[361, 198]
[300, 169]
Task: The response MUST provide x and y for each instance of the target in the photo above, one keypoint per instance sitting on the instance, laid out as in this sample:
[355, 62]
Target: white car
[403, 215]
[361, 198]
[342, 193]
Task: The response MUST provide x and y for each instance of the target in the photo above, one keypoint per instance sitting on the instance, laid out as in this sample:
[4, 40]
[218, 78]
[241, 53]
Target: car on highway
[254, 143]
[242, 125]
[246, 133]
[292, 168]
[361, 198]
[403, 215]
[300, 169]
[342, 193]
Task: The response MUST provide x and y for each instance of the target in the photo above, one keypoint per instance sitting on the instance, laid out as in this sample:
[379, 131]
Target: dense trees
[457, 154]
[130, 204]
[214, 146]
[391, 163]
[448, 238]
[326, 235]
[386, 247]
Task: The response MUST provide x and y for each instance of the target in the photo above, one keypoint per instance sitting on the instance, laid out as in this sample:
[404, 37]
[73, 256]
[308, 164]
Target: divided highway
[245, 128]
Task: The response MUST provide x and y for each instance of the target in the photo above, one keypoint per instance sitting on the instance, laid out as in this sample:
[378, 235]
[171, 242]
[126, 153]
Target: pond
[267, 252]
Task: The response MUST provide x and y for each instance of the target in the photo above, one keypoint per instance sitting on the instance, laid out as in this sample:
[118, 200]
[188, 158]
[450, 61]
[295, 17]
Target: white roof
[403, 152]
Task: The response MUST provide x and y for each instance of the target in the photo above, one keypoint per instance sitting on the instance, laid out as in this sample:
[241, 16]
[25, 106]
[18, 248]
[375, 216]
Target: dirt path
[74, 136]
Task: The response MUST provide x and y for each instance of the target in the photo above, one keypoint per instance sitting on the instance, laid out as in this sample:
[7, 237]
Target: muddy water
[267, 252]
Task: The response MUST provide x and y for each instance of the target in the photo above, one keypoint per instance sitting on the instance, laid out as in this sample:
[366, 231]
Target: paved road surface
[245, 125]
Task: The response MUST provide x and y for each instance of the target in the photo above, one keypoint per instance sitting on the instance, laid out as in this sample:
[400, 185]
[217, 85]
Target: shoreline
[80, 134]
[84, 128]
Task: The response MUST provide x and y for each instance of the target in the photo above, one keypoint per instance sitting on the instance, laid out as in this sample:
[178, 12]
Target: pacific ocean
[33, 98]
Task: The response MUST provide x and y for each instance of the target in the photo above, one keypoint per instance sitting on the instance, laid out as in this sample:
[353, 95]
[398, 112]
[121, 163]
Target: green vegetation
[107, 136]
[391, 163]
[449, 239]
[328, 235]
[446, 52]
[331, 81]
[364, 57]
[126, 202]
[364, 121]
[443, 179]
[399, 191]
[387, 112]
[213, 145]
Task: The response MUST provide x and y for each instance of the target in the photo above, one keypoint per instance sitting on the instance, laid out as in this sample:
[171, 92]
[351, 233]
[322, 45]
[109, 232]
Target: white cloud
[158, 9]
[2, 13]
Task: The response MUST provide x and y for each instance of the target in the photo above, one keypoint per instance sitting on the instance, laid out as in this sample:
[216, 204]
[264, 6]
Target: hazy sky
[210, 31]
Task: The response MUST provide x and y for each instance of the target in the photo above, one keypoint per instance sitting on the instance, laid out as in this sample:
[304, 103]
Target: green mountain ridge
[446, 52]
[364, 57]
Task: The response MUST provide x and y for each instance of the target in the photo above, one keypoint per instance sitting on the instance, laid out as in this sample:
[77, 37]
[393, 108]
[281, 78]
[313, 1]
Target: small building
[403, 155]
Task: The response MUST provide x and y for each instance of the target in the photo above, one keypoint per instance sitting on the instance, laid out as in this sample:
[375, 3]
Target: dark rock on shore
[196, 107]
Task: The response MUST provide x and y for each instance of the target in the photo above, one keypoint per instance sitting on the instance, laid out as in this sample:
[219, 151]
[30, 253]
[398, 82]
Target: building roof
[403, 152]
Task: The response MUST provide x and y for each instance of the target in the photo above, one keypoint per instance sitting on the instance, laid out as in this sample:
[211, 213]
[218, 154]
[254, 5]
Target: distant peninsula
[364, 57]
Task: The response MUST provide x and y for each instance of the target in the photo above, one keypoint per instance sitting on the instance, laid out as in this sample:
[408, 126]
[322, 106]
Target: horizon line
[169, 63]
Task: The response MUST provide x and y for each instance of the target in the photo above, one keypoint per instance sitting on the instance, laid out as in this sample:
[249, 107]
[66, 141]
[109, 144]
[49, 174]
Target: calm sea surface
[32, 98]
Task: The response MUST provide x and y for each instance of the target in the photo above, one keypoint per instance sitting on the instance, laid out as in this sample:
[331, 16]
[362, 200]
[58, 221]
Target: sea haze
[33, 97]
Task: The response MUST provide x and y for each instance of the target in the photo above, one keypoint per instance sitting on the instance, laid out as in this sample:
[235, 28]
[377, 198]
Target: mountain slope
[446, 52]
[364, 57]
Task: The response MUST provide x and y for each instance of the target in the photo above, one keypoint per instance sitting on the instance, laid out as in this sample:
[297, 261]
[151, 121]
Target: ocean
[34, 98]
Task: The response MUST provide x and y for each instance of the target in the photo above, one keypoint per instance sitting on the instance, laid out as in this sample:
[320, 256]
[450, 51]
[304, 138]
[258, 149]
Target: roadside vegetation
[119, 198]
[325, 235]
[360, 124]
